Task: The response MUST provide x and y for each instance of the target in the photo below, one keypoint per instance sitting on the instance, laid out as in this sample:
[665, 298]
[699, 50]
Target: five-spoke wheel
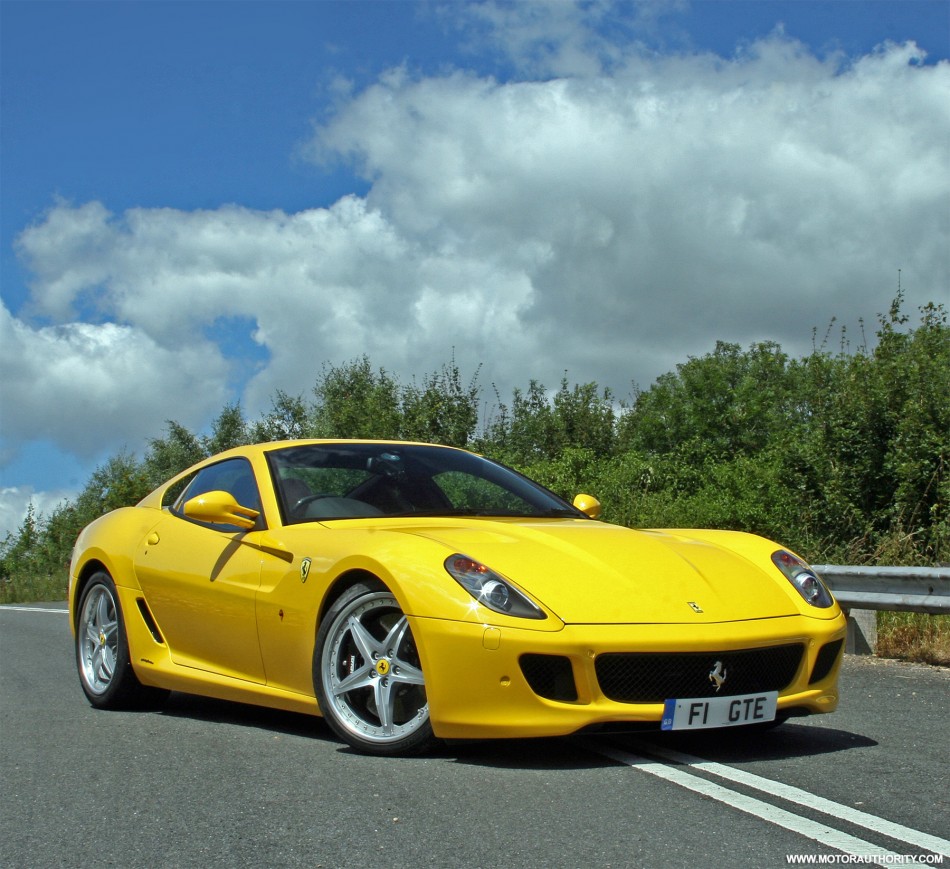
[102, 651]
[367, 674]
[98, 639]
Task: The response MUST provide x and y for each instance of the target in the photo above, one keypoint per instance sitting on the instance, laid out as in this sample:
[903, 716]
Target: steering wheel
[303, 502]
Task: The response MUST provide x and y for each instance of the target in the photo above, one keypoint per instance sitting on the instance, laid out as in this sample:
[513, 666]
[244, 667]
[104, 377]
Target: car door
[201, 580]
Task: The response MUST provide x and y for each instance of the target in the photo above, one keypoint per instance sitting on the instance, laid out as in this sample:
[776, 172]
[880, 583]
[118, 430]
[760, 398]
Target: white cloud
[84, 386]
[557, 38]
[607, 224]
[677, 201]
[15, 501]
[321, 285]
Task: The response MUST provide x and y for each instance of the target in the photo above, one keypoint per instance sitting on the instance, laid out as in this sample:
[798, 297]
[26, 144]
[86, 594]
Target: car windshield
[359, 480]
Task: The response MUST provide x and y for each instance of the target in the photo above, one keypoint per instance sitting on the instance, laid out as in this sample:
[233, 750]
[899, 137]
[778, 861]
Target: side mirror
[588, 504]
[220, 508]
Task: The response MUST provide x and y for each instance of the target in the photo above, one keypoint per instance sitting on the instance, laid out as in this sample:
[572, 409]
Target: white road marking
[31, 609]
[924, 841]
[818, 832]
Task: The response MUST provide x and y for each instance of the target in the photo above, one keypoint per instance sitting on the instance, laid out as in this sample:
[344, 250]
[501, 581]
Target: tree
[18, 551]
[584, 417]
[353, 401]
[876, 445]
[916, 366]
[171, 454]
[288, 419]
[843, 456]
[443, 410]
[727, 403]
[229, 430]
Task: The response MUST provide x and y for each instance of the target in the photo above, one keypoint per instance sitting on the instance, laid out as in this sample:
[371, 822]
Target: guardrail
[898, 589]
[862, 590]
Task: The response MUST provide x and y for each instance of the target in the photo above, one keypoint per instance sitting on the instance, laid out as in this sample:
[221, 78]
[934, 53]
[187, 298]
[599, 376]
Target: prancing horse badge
[304, 569]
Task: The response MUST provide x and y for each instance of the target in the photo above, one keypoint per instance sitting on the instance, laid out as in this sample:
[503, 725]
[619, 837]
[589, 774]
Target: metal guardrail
[903, 589]
[860, 590]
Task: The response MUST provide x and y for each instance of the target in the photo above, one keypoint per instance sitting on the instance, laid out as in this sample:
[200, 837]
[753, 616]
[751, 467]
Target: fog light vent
[550, 676]
[827, 656]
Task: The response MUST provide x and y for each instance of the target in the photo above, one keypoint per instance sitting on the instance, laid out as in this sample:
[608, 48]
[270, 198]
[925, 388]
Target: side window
[173, 493]
[234, 476]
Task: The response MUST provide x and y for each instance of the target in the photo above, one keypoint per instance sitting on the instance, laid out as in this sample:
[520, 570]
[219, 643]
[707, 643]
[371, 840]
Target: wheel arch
[342, 584]
[89, 569]
[364, 574]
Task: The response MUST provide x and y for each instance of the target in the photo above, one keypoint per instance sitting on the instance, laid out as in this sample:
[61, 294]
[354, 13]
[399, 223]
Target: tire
[367, 675]
[102, 651]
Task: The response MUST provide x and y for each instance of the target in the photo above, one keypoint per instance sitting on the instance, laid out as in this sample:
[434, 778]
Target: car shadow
[728, 745]
[200, 708]
[731, 745]
[735, 745]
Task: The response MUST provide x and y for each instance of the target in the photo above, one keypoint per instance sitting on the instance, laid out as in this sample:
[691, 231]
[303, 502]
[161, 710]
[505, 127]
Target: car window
[234, 476]
[303, 482]
[171, 494]
[360, 480]
[478, 495]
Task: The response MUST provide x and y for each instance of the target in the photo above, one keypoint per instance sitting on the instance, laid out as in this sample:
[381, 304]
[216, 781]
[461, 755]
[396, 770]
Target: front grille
[652, 677]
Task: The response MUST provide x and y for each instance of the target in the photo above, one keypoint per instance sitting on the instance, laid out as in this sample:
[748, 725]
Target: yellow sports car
[410, 592]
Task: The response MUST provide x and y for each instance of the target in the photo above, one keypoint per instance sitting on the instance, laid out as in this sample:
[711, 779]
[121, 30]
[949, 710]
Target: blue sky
[206, 202]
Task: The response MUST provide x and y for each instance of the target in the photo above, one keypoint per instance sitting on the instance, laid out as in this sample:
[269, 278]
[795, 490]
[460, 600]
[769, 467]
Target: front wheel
[102, 651]
[367, 675]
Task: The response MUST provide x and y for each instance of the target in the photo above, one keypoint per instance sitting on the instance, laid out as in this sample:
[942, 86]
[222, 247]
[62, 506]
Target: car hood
[590, 572]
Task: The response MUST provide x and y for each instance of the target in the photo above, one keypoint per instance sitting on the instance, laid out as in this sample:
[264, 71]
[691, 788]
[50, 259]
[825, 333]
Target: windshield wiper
[560, 513]
[553, 513]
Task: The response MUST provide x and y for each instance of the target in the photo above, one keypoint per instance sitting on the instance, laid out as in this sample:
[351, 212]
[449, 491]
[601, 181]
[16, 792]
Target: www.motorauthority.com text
[862, 859]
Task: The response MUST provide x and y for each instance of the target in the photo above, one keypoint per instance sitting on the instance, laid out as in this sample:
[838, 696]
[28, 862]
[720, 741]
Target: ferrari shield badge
[304, 569]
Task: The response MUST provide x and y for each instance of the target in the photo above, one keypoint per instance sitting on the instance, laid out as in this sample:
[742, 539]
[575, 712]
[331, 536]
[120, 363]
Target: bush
[843, 457]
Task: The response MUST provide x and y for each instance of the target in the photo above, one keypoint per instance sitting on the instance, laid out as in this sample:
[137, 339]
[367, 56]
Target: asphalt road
[210, 784]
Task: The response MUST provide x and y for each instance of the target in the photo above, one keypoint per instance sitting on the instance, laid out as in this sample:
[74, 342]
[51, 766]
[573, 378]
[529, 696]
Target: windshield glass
[348, 481]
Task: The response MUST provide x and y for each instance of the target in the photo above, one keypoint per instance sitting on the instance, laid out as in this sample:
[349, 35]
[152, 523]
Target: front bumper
[477, 685]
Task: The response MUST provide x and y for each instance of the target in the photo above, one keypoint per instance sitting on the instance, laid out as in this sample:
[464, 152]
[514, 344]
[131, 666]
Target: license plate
[695, 713]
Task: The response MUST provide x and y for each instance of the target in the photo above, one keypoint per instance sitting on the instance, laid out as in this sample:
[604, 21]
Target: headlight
[807, 583]
[490, 589]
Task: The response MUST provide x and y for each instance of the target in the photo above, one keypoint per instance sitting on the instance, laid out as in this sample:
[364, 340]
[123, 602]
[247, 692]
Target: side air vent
[149, 621]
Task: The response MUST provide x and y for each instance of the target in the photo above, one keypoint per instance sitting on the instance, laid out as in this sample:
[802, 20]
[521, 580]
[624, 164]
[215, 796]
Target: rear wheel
[102, 651]
[367, 675]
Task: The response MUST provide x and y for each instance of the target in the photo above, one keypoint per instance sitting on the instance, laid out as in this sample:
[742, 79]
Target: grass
[31, 589]
[914, 637]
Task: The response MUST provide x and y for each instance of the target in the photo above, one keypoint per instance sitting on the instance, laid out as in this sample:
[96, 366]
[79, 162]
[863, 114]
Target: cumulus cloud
[322, 285]
[548, 38]
[609, 222]
[85, 386]
[16, 500]
[675, 201]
